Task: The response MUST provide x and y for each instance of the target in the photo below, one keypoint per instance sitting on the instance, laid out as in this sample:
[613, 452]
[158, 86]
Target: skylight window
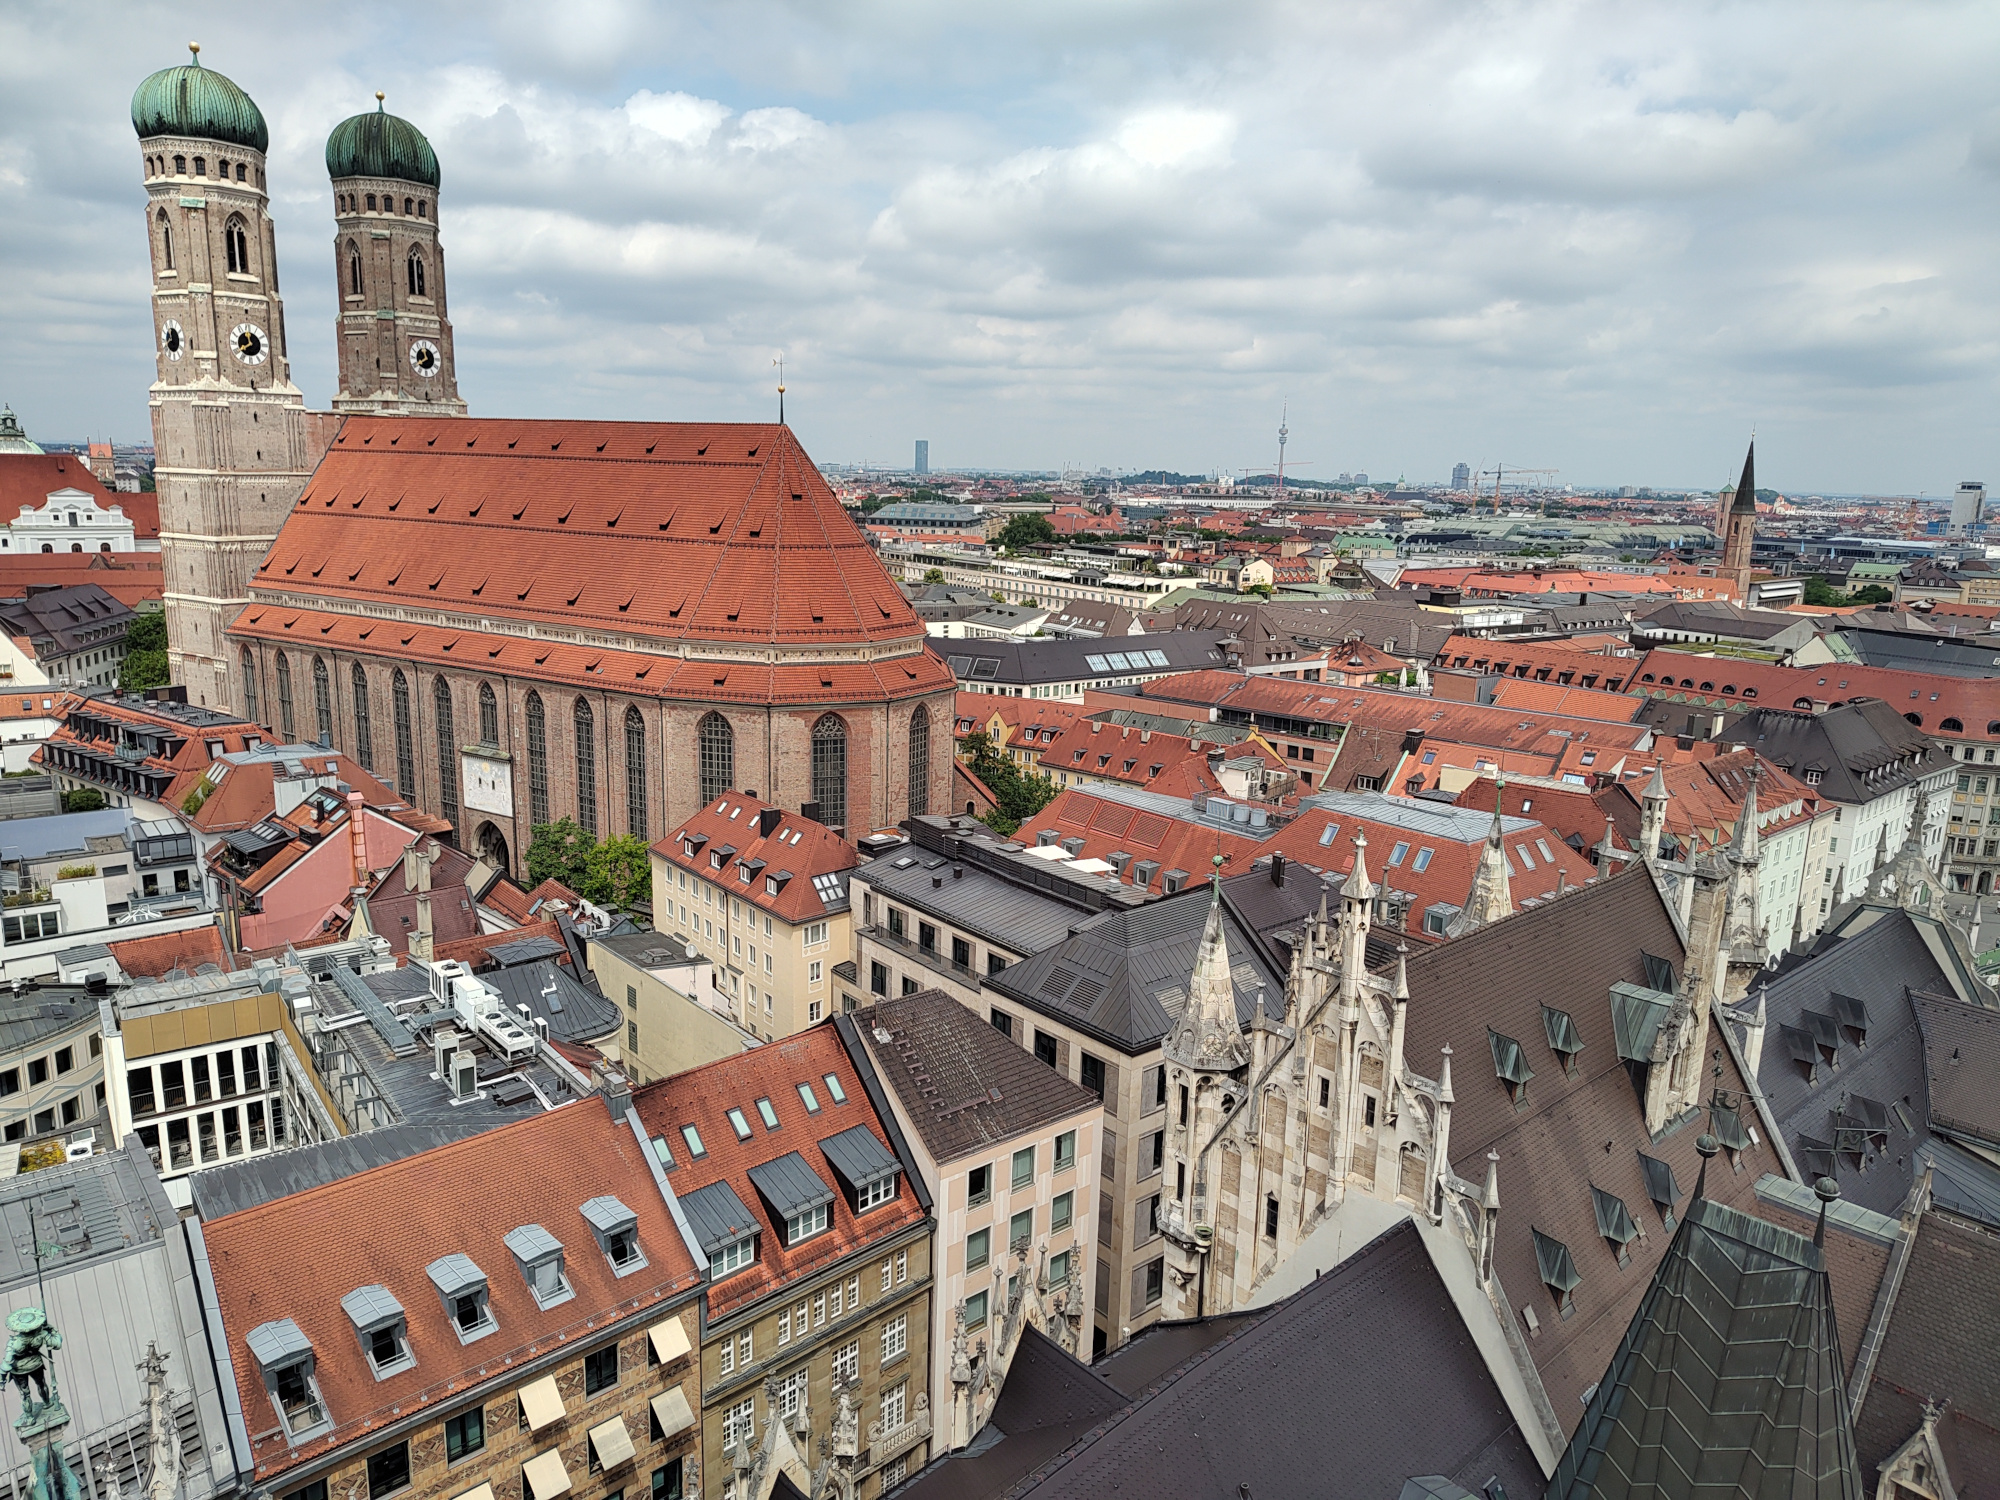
[1156, 658]
[1396, 854]
[808, 1098]
[1527, 859]
[767, 1114]
[1118, 662]
[1328, 834]
[833, 1088]
[1097, 664]
[693, 1139]
[738, 1124]
[1543, 846]
[663, 1151]
[1423, 860]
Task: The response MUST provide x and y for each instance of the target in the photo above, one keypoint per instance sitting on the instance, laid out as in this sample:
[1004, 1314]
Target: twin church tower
[234, 442]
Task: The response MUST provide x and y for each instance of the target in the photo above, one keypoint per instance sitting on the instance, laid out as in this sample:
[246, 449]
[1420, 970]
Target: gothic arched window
[249, 683]
[180, 166]
[829, 770]
[586, 766]
[406, 747]
[538, 762]
[166, 242]
[920, 762]
[238, 244]
[353, 269]
[406, 205]
[322, 702]
[489, 715]
[416, 274]
[635, 773]
[364, 746]
[447, 749]
[284, 698]
[716, 756]
[200, 166]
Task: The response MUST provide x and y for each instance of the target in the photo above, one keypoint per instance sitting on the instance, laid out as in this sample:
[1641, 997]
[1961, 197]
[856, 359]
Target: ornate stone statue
[30, 1343]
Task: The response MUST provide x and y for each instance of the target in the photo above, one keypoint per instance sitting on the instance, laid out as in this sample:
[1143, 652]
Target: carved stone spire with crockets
[1745, 939]
[1209, 1038]
[1491, 896]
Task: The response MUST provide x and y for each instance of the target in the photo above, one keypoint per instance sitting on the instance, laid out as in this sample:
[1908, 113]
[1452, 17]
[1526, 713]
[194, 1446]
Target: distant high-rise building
[923, 463]
[1968, 504]
[1461, 476]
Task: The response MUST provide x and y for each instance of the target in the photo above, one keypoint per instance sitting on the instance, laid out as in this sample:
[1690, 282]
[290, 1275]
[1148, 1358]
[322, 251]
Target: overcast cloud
[1606, 239]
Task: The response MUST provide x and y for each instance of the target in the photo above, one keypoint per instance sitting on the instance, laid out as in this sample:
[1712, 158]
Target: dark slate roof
[790, 1185]
[574, 1011]
[1845, 743]
[718, 1216]
[1962, 1049]
[36, 1015]
[1123, 977]
[1728, 1383]
[1067, 659]
[524, 951]
[235, 1186]
[962, 1084]
[1002, 911]
[1874, 967]
[1941, 1343]
[1279, 1404]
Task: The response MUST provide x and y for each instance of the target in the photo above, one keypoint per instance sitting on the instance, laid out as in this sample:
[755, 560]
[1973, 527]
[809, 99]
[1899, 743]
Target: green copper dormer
[198, 102]
[380, 145]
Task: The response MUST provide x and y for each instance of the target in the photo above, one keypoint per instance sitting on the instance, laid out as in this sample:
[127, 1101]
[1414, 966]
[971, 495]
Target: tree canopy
[1025, 531]
[612, 872]
[145, 663]
[1020, 793]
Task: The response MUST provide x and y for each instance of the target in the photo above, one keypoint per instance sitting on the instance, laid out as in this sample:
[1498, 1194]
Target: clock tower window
[238, 245]
[166, 242]
[416, 274]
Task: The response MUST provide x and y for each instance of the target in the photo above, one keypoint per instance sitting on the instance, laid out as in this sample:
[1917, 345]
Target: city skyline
[1034, 238]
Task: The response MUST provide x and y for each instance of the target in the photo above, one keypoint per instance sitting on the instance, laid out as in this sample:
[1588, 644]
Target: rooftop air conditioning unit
[444, 1043]
[464, 1076]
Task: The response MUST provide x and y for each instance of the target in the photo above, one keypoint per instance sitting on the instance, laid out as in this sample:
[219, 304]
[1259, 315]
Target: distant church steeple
[1741, 529]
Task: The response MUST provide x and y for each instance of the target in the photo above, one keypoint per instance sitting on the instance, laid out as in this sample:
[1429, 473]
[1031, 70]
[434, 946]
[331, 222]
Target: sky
[1610, 239]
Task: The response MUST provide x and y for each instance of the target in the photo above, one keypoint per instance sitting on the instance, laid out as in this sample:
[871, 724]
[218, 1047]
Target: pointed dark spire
[1746, 487]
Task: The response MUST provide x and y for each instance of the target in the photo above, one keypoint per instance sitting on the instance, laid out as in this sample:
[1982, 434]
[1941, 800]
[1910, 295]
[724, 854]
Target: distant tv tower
[1284, 412]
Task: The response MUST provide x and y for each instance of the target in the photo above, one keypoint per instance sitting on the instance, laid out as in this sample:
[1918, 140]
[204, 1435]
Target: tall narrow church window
[371, 203]
[364, 745]
[236, 245]
[829, 770]
[416, 274]
[920, 762]
[249, 683]
[406, 750]
[166, 243]
[322, 702]
[353, 270]
[201, 166]
[447, 750]
[489, 715]
[242, 172]
[586, 766]
[284, 698]
[406, 205]
[538, 762]
[423, 209]
[635, 773]
[716, 752]
[180, 166]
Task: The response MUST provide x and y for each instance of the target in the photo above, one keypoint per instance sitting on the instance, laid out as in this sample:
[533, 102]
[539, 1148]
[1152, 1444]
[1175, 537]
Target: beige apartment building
[663, 984]
[761, 893]
[1012, 1163]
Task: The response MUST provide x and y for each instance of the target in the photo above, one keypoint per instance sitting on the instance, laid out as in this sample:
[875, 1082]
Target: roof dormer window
[383, 1328]
[617, 1230]
[462, 1288]
[539, 1255]
[284, 1357]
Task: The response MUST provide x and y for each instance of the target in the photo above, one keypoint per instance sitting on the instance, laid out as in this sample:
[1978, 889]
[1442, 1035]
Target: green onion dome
[195, 101]
[380, 145]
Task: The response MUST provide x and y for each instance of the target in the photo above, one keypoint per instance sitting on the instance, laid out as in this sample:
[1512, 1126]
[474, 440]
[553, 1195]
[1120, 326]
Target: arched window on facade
[829, 770]
[166, 242]
[586, 767]
[447, 749]
[406, 748]
[322, 702]
[416, 274]
[237, 243]
[538, 760]
[364, 745]
[285, 727]
[715, 748]
[353, 269]
[920, 761]
[249, 683]
[489, 715]
[180, 166]
[635, 773]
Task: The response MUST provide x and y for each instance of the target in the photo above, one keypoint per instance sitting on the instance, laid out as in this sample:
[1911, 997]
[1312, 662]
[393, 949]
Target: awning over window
[670, 1341]
[612, 1442]
[546, 1476]
[542, 1402]
[672, 1412]
[481, 1492]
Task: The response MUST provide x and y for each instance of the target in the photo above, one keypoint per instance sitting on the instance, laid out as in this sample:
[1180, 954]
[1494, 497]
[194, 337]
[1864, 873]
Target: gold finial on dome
[379, 97]
[195, 48]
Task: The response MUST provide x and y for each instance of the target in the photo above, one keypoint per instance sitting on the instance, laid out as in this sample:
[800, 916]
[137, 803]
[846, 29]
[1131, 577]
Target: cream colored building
[669, 1024]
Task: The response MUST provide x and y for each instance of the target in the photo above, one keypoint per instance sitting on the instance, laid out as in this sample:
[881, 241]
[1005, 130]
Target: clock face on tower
[172, 339]
[250, 343]
[424, 358]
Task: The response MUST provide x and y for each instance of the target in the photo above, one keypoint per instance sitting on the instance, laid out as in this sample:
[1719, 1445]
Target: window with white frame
[785, 1326]
[816, 971]
[895, 1338]
[803, 1226]
[739, 1422]
[792, 1393]
[847, 1362]
[894, 1407]
[815, 934]
[733, 1256]
[875, 1194]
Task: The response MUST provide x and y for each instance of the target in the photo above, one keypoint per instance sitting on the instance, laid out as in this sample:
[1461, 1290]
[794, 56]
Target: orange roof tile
[28, 479]
[1108, 827]
[153, 957]
[1948, 707]
[793, 846]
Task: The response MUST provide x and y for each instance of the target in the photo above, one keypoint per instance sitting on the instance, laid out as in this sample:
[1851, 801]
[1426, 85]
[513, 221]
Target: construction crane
[1497, 471]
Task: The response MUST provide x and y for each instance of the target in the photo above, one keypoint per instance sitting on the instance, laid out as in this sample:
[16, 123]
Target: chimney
[1277, 869]
[809, 810]
[357, 841]
[1413, 740]
[421, 941]
[768, 819]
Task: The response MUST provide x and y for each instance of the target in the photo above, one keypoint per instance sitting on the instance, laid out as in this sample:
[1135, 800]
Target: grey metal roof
[278, 1343]
[1436, 820]
[234, 1186]
[371, 1306]
[790, 1185]
[455, 1274]
[531, 1243]
[1063, 659]
[38, 1015]
[525, 950]
[859, 1157]
[718, 1216]
[574, 1011]
[1021, 920]
[1123, 976]
[607, 1214]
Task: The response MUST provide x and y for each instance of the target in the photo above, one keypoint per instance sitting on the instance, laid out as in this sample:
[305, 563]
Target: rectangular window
[1061, 1210]
[819, 1310]
[464, 1434]
[902, 1266]
[1270, 1216]
[833, 1088]
[1065, 1150]
[739, 1423]
[895, 1338]
[667, 1481]
[738, 1124]
[803, 1226]
[1002, 1023]
[975, 1310]
[1155, 1282]
[808, 1098]
[1156, 1150]
[1024, 1168]
[875, 1194]
[388, 1471]
[733, 1257]
[1045, 1048]
[894, 1407]
[1021, 1229]
[791, 1393]
[600, 1369]
[847, 1362]
[38, 1070]
[1091, 1075]
[978, 1186]
[978, 1250]
[65, 1059]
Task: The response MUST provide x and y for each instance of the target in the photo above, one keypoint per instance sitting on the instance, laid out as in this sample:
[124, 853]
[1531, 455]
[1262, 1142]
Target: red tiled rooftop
[702, 1096]
[1948, 707]
[795, 845]
[153, 957]
[28, 479]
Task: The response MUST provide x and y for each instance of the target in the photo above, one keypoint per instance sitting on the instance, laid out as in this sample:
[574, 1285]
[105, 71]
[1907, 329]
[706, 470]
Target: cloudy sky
[1607, 239]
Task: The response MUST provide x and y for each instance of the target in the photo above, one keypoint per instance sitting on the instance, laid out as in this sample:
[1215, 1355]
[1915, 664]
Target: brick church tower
[1740, 534]
[233, 441]
[393, 330]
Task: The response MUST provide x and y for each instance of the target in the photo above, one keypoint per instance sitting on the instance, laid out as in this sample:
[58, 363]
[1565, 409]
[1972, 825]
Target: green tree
[617, 872]
[83, 799]
[933, 575]
[1872, 593]
[145, 663]
[560, 851]
[1823, 594]
[1025, 531]
[1021, 793]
